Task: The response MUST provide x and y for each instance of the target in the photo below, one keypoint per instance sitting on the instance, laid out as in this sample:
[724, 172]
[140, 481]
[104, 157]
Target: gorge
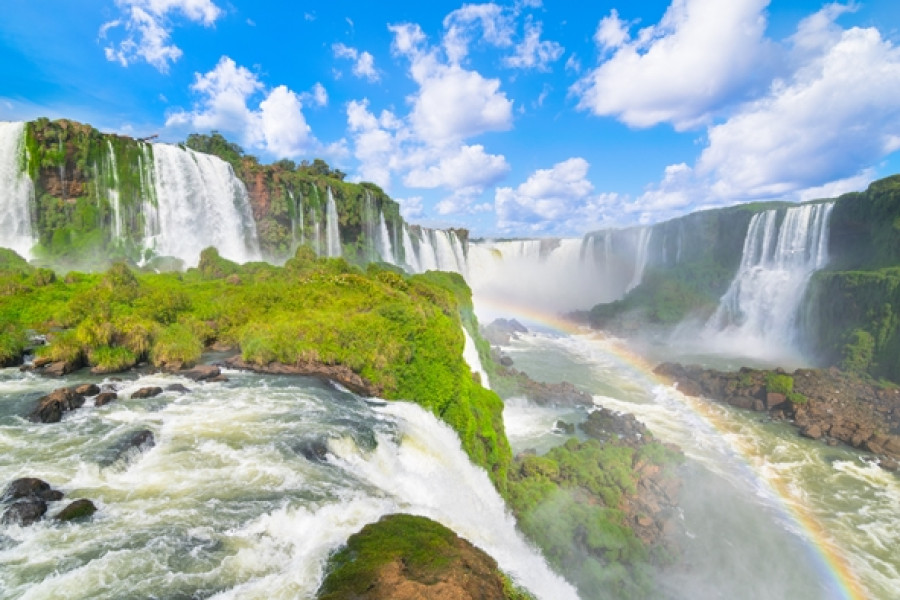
[231, 502]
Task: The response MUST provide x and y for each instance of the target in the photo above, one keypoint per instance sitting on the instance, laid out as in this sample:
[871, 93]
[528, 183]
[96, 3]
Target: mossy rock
[408, 557]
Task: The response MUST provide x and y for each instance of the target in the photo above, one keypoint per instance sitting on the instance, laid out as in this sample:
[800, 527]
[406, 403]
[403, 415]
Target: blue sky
[512, 118]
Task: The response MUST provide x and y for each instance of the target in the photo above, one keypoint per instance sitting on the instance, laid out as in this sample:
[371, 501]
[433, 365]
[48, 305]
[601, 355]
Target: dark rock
[24, 512]
[78, 509]
[177, 387]
[506, 361]
[147, 392]
[774, 399]
[129, 446]
[201, 372]
[341, 374]
[563, 427]
[313, 450]
[51, 407]
[813, 431]
[30, 487]
[105, 398]
[889, 464]
[60, 368]
[88, 389]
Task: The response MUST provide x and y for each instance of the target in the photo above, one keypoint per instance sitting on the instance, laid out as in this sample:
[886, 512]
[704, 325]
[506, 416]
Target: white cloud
[558, 200]
[471, 167]
[410, 208]
[148, 29]
[493, 22]
[702, 54]
[532, 53]
[276, 126]
[363, 62]
[318, 95]
[836, 115]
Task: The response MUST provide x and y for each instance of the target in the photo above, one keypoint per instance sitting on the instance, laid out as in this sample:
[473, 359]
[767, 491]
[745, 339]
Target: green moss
[176, 345]
[12, 345]
[778, 383]
[109, 359]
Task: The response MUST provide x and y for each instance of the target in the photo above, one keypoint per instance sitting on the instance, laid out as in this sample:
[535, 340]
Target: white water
[16, 191]
[384, 241]
[470, 355]
[332, 229]
[112, 192]
[409, 252]
[225, 505]
[640, 262]
[199, 203]
[438, 250]
[759, 314]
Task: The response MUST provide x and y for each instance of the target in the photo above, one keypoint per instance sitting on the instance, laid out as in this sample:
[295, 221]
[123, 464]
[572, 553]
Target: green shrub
[858, 352]
[12, 345]
[112, 359]
[63, 347]
[779, 383]
[176, 345]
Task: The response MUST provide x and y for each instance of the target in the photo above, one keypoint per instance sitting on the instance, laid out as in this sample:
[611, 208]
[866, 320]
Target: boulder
[129, 446]
[51, 407]
[87, 389]
[61, 367]
[147, 392]
[30, 487]
[313, 450]
[105, 398]
[78, 509]
[177, 387]
[24, 512]
[201, 372]
[813, 431]
[774, 400]
[563, 427]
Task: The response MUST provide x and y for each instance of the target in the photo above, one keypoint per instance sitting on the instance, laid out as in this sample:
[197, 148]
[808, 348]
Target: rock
[88, 389]
[30, 487]
[501, 331]
[147, 392]
[506, 361]
[60, 368]
[889, 464]
[339, 373]
[129, 446]
[218, 379]
[201, 372]
[813, 432]
[40, 362]
[774, 399]
[78, 509]
[24, 512]
[563, 427]
[105, 398]
[177, 387]
[385, 560]
[51, 407]
[313, 450]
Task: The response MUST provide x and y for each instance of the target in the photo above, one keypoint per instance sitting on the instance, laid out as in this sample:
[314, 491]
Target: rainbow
[828, 559]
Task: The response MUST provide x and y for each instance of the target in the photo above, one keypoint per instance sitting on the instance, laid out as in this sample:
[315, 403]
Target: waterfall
[112, 191]
[640, 258]
[199, 203]
[384, 241]
[332, 229]
[16, 191]
[760, 310]
[470, 355]
[409, 251]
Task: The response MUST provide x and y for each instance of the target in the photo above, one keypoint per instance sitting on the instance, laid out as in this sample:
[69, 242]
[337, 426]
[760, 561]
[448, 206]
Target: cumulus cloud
[702, 54]
[494, 24]
[470, 167]
[836, 115]
[148, 28]
[277, 125]
[363, 62]
[534, 53]
[559, 200]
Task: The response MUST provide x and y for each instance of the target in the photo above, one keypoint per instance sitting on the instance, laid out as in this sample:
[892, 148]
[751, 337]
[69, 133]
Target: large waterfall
[16, 191]
[199, 203]
[332, 229]
[760, 310]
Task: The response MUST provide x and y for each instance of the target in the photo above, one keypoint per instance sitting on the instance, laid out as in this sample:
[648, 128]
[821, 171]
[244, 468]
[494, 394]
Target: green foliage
[797, 398]
[12, 344]
[109, 359]
[63, 347]
[426, 550]
[217, 145]
[12, 263]
[858, 352]
[779, 383]
[176, 345]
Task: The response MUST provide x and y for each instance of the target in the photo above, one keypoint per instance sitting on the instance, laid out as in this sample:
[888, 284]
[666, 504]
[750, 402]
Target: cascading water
[332, 229]
[235, 503]
[409, 251]
[16, 191]
[470, 355]
[640, 262]
[199, 202]
[112, 191]
[759, 314]
[384, 241]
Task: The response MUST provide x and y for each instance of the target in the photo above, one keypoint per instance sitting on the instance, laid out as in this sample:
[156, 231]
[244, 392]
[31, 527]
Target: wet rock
[105, 398]
[563, 427]
[147, 392]
[88, 389]
[313, 450]
[339, 373]
[129, 446]
[813, 431]
[177, 387]
[24, 512]
[30, 487]
[506, 361]
[51, 407]
[60, 368]
[79, 509]
[201, 372]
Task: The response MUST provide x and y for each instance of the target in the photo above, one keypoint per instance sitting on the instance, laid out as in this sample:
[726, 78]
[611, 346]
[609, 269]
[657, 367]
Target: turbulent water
[239, 498]
[765, 513]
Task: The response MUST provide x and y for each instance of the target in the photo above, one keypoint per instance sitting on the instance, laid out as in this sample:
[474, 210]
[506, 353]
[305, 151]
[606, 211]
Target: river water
[764, 512]
[233, 501]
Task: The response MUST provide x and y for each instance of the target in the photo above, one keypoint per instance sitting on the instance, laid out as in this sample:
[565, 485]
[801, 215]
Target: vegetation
[569, 503]
[428, 552]
[401, 333]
